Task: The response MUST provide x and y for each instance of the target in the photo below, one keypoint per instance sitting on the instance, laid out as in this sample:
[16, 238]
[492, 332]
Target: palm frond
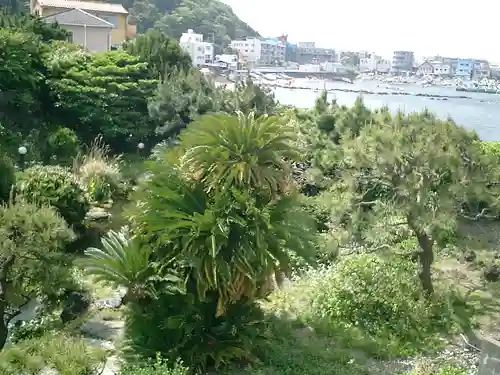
[241, 151]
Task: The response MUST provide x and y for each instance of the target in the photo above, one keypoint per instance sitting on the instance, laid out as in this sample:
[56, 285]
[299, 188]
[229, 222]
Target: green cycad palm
[239, 151]
[122, 262]
[214, 219]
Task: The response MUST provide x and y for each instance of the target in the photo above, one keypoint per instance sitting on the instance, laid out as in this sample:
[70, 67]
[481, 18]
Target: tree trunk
[3, 326]
[4, 269]
[426, 258]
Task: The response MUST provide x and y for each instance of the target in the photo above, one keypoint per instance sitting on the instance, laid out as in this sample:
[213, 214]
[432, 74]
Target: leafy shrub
[57, 187]
[62, 146]
[190, 331]
[7, 171]
[59, 351]
[159, 367]
[381, 300]
[35, 328]
[100, 173]
[32, 238]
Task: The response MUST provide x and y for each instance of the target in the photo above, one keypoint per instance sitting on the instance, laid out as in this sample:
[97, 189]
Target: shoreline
[226, 82]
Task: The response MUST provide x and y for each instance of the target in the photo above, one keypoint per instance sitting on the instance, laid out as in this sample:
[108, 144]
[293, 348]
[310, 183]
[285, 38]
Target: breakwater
[476, 111]
[387, 92]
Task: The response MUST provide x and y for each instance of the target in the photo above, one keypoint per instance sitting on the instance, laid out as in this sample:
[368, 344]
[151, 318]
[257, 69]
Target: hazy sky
[427, 27]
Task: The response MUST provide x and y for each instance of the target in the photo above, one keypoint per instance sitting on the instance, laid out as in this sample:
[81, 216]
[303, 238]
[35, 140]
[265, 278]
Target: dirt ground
[484, 298]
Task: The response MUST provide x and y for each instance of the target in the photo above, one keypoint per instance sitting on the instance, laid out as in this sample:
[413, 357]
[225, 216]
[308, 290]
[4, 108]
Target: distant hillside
[212, 18]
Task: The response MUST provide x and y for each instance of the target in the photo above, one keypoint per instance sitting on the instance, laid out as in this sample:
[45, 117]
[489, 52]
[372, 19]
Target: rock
[105, 330]
[492, 273]
[470, 256]
[75, 304]
[98, 214]
[108, 303]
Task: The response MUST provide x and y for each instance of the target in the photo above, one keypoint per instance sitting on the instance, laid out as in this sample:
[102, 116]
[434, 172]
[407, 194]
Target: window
[70, 37]
[111, 19]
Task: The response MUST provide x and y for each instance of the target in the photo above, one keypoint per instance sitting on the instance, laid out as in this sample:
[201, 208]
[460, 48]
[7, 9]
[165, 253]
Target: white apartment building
[374, 63]
[249, 50]
[227, 61]
[441, 69]
[201, 52]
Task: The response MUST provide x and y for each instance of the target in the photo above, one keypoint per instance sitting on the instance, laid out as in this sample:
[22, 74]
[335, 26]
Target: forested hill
[212, 18]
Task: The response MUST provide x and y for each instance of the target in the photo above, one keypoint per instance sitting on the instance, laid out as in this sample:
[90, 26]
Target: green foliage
[159, 367]
[212, 18]
[8, 173]
[100, 173]
[57, 187]
[59, 351]
[247, 98]
[62, 146]
[35, 328]
[32, 24]
[122, 262]
[183, 96]
[21, 82]
[31, 260]
[241, 152]
[103, 94]
[381, 300]
[191, 330]
[162, 54]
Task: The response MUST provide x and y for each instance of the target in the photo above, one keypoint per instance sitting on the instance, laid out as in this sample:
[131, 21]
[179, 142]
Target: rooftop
[93, 6]
[77, 17]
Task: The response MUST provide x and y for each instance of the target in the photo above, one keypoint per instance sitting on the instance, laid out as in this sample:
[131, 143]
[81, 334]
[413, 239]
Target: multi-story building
[290, 49]
[441, 69]
[291, 53]
[495, 71]
[434, 68]
[308, 53]
[465, 68]
[89, 25]
[482, 69]
[374, 63]
[402, 61]
[227, 61]
[272, 52]
[248, 50]
[201, 52]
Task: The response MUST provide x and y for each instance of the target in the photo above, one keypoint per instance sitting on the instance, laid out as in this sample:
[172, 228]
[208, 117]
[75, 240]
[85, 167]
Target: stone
[74, 305]
[490, 359]
[98, 214]
[108, 330]
[470, 256]
[491, 273]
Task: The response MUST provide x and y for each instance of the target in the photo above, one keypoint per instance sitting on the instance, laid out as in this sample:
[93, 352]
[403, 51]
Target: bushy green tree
[425, 167]
[24, 22]
[21, 83]
[103, 94]
[183, 96]
[8, 173]
[61, 147]
[31, 260]
[381, 300]
[57, 187]
[162, 54]
[212, 18]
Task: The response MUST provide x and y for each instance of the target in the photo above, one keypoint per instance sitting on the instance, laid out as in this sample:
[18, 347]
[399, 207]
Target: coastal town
[101, 26]
[306, 56]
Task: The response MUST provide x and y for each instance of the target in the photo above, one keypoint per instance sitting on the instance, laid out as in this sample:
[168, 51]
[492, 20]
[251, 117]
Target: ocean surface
[480, 112]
